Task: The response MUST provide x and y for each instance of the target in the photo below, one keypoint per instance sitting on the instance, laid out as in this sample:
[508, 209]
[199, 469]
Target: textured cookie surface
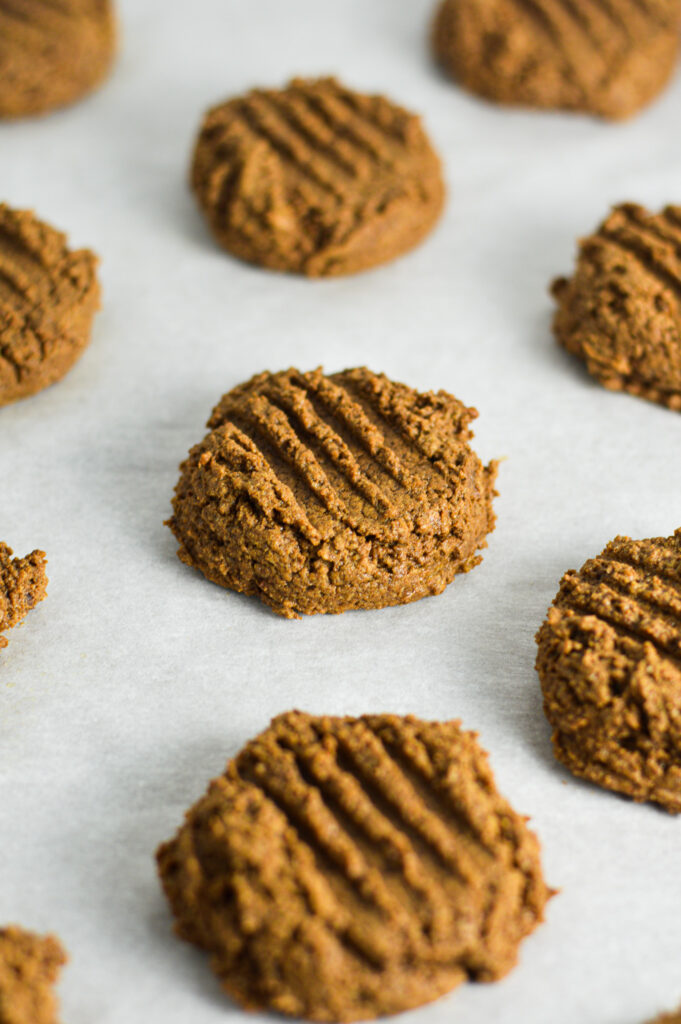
[344, 868]
[29, 966]
[325, 493]
[316, 179]
[609, 661]
[621, 310]
[607, 58]
[48, 298]
[23, 582]
[52, 53]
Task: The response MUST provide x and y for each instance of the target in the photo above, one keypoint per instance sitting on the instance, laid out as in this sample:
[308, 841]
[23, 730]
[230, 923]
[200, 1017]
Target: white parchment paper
[129, 687]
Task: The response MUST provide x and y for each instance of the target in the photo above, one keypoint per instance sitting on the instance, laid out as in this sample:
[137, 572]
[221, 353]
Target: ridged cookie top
[23, 583]
[351, 449]
[316, 178]
[621, 310]
[48, 296]
[610, 664]
[29, 967]
[343, 868]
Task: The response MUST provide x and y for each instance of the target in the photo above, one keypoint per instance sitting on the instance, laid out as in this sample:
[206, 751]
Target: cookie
[345, 868]
[48, 298]
[29, 967]
[316, 179]
[609, 661]
[326, 493]
[621, 310]
[23, 582]
[668, 1018]
[608, 59]
[52, 54]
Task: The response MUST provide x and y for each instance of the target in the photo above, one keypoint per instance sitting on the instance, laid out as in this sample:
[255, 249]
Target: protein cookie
[610, 59]
[315, 178]
[29, 967]
[52, 54]
[345, 868]
[48, 298]
[609, 662]
[325, 493]
[23, 583]
[621, 310]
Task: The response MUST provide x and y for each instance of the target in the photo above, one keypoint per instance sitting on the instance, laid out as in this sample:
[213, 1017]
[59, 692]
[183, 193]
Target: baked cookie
[621, 310]
[609, 662]
[316, 179]
[52, 54]
[29, 967]
[609, 59]
[322, 494]
[23, 582]
[668, 1018]
[48, 298]
[345, 868]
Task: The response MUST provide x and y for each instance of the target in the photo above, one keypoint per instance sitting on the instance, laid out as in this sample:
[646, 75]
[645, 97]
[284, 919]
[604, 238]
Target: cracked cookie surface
[327, 493]
[315, 178]
[48, 298]
[29, 967]
[345, 868]
[609, 661]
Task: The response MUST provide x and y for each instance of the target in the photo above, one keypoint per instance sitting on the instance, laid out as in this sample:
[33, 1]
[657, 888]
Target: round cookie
[29, 967]
[48, 298]
[326, 493]
[345, 868]
[609, 661]
[621, 310]
[23, 583]
[52, 54]
[609, 59]
[316, 179]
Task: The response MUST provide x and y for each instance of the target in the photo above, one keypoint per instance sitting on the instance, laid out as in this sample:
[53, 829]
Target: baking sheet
[128, 688]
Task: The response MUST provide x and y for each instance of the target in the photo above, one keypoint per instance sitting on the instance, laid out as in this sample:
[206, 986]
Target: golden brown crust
[316, 179]
[608, 58]
[48, 298]
[345, 868]
[322, 494]
[23, 583]
[52, 54]
[29, 967]
[609, 661]
[621, 310]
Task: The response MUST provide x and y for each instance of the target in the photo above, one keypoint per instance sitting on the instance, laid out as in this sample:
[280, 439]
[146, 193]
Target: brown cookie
[316, 179]
[608, 58]
[668, 1018]
[322, 494]
[29, 967]
[23, 582]
[621, 310]
[48, 298]
[609, 661]
[344, 868]
[51, 53]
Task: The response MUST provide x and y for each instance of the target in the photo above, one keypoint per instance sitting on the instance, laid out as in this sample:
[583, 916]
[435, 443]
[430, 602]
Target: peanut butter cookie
[29, 966]
[345, 868]
[325, 493]
[609, 662]
[316, 179]
[23, 583]
[48, 298]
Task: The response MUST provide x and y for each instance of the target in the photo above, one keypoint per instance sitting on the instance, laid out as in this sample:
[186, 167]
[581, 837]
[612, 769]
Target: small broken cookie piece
[49, 295]
[321, 494]
[52, 54]
[346, 868]
[315, 178]
[610, 59]
[621, 310]
[609, 661]
[29, 967]
[23, 583]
